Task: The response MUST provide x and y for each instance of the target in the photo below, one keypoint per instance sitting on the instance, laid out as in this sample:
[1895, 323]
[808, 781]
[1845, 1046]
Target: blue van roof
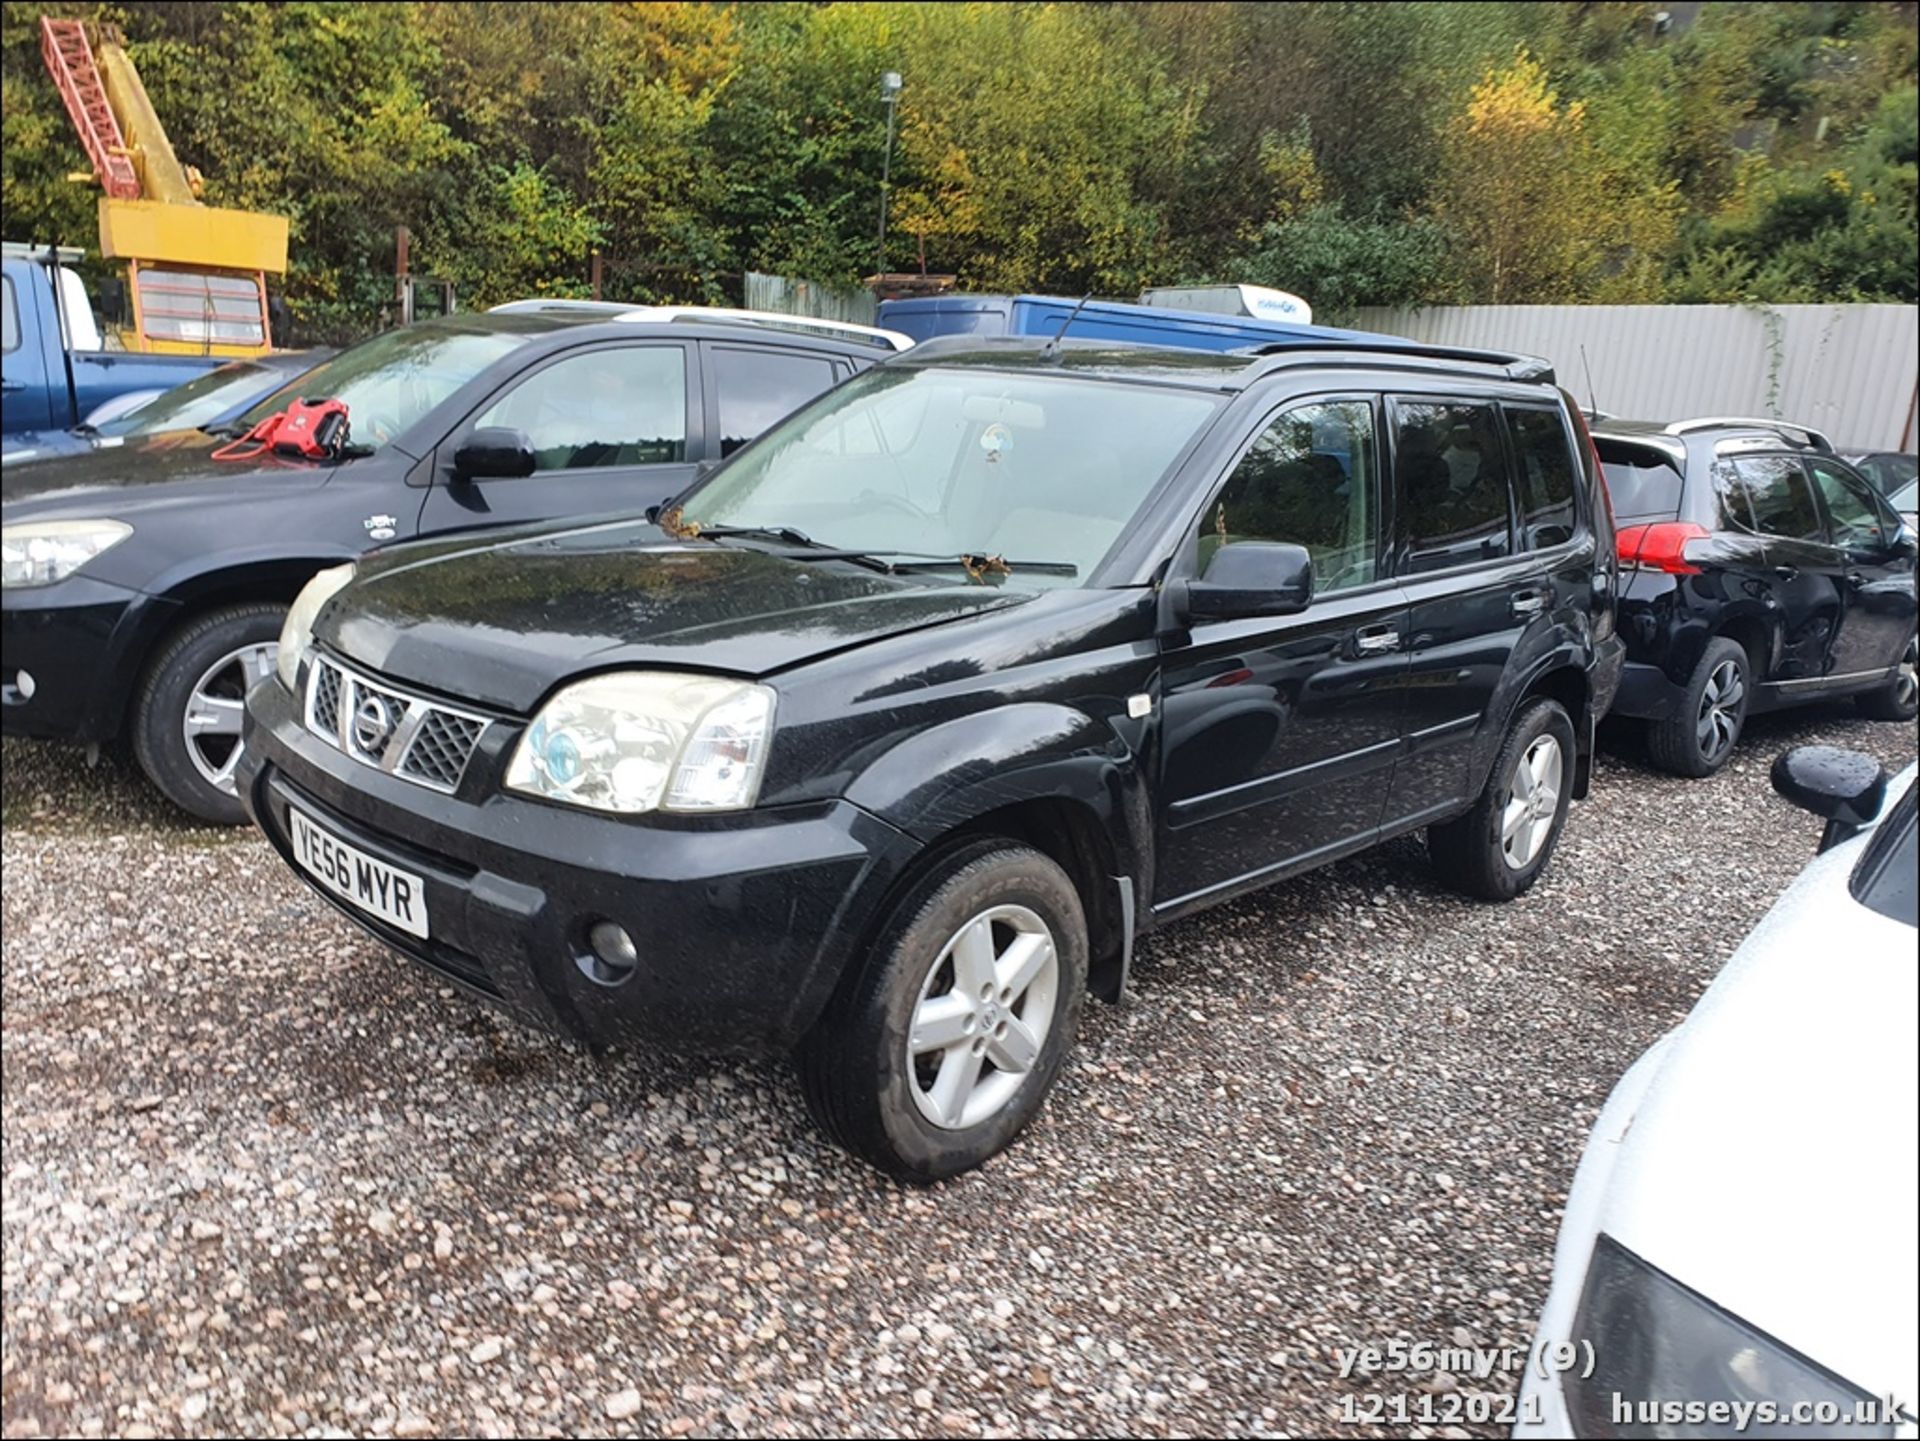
[1105, 320]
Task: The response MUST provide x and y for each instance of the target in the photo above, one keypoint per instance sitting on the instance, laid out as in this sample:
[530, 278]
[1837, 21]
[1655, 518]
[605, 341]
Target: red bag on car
[310, 429]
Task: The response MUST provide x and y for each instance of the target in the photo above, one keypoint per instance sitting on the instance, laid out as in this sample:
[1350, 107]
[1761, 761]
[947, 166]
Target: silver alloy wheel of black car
[1722, 707]
[1527, 822]
[983, 1016]
[215, 705]
[1906, 680]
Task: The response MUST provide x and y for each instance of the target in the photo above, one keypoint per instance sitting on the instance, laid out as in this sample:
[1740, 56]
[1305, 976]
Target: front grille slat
[405, 735]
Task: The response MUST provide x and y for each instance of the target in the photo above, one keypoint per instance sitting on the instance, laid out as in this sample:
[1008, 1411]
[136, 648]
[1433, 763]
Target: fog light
[614, 954]
[24, 683]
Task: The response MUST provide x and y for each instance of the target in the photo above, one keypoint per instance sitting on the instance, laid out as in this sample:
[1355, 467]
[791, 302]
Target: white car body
[1764, 1152]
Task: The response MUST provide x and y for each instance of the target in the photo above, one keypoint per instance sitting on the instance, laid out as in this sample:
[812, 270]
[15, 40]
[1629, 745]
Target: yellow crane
[196, 273]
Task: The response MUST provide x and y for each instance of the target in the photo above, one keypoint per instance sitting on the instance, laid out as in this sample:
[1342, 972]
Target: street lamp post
[890, 97]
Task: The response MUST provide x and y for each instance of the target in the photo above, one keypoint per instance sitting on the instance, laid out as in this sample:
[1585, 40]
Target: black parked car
[144, 586]
[1887, 471]
[1760, 571]
[891, 735]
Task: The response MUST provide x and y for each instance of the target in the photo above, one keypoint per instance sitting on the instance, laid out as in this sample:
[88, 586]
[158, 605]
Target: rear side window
[1643, 483]
[758, 387]
[603, 408]
[1542, 448]
[1774, 494]
[9, 317]
[1451, 475]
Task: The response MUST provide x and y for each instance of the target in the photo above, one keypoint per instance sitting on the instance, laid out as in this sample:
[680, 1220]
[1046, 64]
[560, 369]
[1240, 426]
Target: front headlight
[634, 741]
[296, 633]
[39, 552]
[1657, 1344]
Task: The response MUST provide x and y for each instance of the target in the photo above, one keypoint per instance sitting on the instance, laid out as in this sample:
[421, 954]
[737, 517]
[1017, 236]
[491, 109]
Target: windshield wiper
[788, 533]
[977, 564]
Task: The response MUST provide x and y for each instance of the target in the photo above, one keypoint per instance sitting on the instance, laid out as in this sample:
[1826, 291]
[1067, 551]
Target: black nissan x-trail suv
[1759, 571]
[885, 741]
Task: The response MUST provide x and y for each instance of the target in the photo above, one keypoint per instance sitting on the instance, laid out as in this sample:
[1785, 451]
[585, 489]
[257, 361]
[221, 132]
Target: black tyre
[946, 1036]
[186, 714]
[1497, 850]
[1702, 735]
[1899, 699]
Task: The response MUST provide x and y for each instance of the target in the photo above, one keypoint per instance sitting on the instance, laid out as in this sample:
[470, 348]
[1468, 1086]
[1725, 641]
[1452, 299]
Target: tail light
[1662, 547]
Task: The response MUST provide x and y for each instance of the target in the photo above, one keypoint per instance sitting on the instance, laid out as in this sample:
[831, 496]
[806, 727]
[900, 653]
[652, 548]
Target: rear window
[1642, 482]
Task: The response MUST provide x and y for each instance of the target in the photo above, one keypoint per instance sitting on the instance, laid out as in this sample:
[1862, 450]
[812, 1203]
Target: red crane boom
[69, 59]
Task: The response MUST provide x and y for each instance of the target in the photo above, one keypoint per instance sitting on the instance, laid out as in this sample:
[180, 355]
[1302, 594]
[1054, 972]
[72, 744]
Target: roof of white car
[774, 320]
[769, 319]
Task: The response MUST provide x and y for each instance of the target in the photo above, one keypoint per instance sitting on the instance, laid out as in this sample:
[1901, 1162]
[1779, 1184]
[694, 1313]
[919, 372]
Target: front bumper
[743, 923]
[71, 638]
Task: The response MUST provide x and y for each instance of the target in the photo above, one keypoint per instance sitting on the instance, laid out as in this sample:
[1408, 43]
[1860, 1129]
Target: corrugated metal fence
[807, 297]
[1852, 371]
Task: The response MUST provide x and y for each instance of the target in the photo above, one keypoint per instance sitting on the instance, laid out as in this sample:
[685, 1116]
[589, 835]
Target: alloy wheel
[1527, 821]
[1906, 682]
[982, 1017]
[211, 722]
[1722, 705]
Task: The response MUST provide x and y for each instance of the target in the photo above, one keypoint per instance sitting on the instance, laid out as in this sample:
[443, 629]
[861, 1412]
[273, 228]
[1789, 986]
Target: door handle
[1856, 580]
[1376, 640]
[1529, 602]
[1787, 572]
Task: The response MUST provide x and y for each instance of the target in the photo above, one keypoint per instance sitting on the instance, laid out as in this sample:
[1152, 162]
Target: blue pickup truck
[53, 371]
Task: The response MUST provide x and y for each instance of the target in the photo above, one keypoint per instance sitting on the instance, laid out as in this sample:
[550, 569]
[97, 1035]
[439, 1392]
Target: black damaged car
[142, 587]
[884, 742]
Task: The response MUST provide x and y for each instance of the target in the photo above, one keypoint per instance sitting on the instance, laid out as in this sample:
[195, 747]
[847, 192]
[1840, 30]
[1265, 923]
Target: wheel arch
[182, 598]
[1046, 776]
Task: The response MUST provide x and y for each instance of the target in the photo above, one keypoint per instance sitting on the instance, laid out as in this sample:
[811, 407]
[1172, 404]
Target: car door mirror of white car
[1844, 788]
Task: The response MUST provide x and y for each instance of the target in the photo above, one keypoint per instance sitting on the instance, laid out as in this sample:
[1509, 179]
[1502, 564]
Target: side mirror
[1252, 577]
[494, 450]
[1844, 788]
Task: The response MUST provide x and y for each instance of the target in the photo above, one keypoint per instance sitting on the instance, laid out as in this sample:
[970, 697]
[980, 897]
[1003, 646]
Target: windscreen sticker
[996, 440]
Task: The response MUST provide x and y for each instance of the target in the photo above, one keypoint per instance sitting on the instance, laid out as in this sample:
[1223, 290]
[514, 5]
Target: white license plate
[398, 897]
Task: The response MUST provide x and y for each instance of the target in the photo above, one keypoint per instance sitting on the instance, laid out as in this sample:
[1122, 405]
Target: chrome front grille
[405, 735]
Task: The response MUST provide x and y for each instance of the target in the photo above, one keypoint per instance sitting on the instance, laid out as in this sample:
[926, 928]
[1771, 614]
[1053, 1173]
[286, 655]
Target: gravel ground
[263, 1178]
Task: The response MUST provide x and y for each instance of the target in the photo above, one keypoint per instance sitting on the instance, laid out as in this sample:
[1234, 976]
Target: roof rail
[776, 320]
[549, 304]
[44, 254]
[1811, 438]
[1517, 366]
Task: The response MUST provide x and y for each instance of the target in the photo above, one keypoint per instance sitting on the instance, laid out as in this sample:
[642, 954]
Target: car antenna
[1593, 400]
[1052, 347]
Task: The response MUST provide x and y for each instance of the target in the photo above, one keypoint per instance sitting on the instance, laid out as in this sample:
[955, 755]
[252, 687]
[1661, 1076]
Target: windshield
[199, 402]
[1036, 467]
[1903, 499]
[392, 380]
